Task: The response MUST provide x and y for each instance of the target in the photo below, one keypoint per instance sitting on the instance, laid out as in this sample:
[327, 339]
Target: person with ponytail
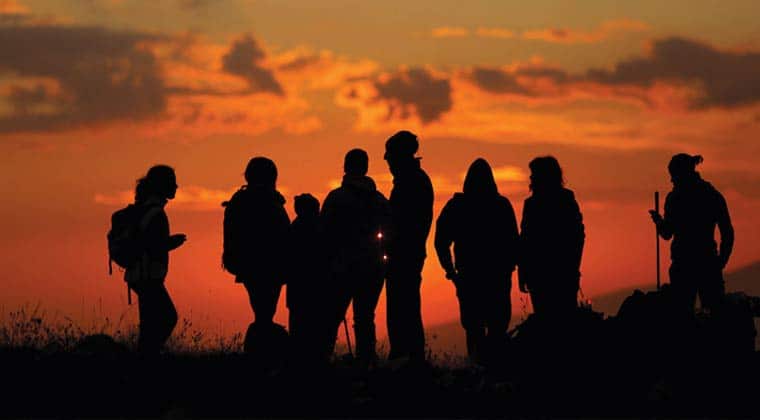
[692, 211]
[158, 317]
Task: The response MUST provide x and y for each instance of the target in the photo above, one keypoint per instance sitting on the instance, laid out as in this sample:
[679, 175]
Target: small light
[385, 258]
[380, 235]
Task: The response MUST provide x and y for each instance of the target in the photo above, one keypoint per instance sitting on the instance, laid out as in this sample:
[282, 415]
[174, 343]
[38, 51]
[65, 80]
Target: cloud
[418, 90]
[191, 197]
[449, 32]
[677, 73]
[84, 76]
[244, 59]
[498, 81]
[12, 7]
[720, 78]
[569, 36]
[406, 95]
[502, 33]
[604, 31]
[302, 68]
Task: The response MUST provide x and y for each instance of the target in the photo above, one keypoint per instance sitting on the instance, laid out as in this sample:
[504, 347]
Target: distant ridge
[449, 337]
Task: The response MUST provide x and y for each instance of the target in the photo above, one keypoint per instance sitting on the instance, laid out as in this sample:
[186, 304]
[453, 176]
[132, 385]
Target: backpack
[125, 246]
[231, 252]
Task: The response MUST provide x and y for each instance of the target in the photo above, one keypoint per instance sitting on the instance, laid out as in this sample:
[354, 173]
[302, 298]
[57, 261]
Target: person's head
[479, 179]
[306, 205]
[261, 171]
[400, 149]
[356, 162]
[159, 182]
[545, 174]
[683, 167]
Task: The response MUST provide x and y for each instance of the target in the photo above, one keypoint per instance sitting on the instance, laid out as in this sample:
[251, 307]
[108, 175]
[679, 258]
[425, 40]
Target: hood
[479, 180]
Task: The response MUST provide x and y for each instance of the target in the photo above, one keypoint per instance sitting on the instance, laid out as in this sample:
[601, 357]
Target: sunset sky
[94, 92]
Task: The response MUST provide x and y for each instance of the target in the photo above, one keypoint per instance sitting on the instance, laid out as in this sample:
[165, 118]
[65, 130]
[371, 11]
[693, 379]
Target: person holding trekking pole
[692, 211]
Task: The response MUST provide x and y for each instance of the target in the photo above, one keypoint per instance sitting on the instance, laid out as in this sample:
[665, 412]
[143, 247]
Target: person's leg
[158, 317]
[148, 313]
[263, 297]
[168, 318]
[365, 301]
[684, 288]
[405, 329]
[539, 299]
[336, 313]
[498, 312]
[711, 287]
[470, 316]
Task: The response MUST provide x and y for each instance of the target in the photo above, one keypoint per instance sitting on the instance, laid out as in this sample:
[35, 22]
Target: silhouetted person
[256, 236]
[411, 216]
[355, 216]
[482, 225]
[158, 317]
[692, 210]
[309, 292]
[551, 241]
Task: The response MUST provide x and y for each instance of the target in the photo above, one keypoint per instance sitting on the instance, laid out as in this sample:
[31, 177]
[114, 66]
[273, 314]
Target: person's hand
[452, 275]
[523, 286]
[177, 240]
[722, 262]
[656, 218]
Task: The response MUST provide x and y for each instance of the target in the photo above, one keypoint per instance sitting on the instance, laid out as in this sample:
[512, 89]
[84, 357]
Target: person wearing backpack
[354, 217]
[147, 275]
[481, 224]
[256, 237]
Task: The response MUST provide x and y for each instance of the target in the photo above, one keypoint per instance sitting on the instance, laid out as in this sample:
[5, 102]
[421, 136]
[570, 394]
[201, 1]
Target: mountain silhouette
[449, 337]
[744, 279]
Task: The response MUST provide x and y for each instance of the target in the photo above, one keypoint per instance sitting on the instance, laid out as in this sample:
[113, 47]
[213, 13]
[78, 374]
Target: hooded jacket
[353, 215]
[483, 230]
[256, 233]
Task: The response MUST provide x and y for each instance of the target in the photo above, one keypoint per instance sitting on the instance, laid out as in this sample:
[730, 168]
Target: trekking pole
[348, 336]
[657, 236]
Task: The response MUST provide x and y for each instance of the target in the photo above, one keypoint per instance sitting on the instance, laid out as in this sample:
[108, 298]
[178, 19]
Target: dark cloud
[102, 75]
[725, 78]
[554, 74]
[300, 62]
[722, 78]
[243, 60]
[416, 89]
[497, 81]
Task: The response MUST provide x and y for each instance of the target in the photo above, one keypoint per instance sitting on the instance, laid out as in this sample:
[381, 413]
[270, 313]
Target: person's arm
[726, 231]
[443, 241]
[523, 269]
[664, 224]
[512, 237]
[579, 236]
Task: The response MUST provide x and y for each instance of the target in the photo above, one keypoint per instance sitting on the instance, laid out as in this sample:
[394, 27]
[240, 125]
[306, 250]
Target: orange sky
[92, 93]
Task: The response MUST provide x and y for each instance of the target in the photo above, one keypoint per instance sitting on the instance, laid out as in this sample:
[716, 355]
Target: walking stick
[348, 336]
[657, 235]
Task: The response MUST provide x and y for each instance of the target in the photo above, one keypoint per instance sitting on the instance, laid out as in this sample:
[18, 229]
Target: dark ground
[573, 377]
